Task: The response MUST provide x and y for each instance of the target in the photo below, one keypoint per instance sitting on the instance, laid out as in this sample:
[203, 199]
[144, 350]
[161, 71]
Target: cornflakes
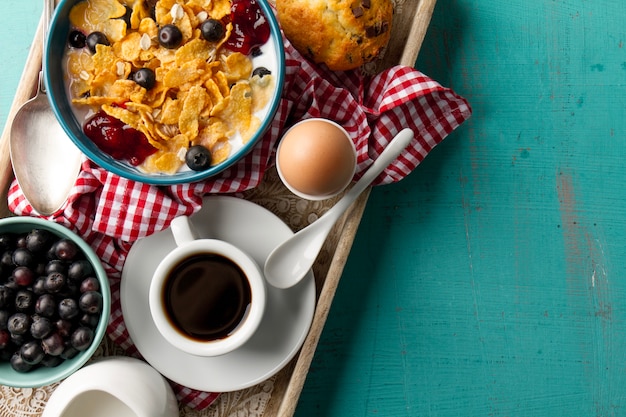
[238, 67]
[100, 15]
[193, 104]
[202, 93]
[236, 110]
[262, 88]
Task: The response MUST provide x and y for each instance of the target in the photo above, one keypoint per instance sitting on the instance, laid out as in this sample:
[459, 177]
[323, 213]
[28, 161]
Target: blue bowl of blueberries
[54, 302]
[164, 92]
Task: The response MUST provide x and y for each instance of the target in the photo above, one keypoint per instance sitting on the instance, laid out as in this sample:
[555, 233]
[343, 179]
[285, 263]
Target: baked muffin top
[342, 34]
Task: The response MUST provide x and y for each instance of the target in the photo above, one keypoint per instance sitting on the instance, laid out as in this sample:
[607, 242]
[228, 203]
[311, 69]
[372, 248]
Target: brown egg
[316, 159]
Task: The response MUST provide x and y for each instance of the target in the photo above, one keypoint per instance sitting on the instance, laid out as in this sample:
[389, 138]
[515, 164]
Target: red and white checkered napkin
[111, 212]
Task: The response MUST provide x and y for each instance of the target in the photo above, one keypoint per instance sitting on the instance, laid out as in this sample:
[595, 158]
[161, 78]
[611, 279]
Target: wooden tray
[279, 395]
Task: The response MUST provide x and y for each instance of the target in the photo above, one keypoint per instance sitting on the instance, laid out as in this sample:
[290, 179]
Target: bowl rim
[37, 378]
[122, 168]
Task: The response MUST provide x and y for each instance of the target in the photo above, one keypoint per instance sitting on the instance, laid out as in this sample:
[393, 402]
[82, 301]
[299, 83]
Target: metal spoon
[45, 161]
[290, 261]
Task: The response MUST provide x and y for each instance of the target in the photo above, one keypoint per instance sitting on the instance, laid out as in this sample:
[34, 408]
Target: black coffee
[206, 296]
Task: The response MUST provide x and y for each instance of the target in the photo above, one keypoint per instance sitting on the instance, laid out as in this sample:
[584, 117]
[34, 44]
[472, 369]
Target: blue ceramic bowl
[54, 76]
[44, 376]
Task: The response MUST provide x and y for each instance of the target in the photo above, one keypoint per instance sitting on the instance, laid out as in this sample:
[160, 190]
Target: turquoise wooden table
[492, 280]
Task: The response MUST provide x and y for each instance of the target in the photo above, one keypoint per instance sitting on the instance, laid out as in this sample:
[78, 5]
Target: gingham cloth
[111, 212]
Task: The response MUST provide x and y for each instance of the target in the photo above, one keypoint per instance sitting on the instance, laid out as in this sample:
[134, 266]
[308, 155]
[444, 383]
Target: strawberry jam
[117, 139]
[250, 27]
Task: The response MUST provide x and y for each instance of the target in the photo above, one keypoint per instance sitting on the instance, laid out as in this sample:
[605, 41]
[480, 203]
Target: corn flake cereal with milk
[203, 94]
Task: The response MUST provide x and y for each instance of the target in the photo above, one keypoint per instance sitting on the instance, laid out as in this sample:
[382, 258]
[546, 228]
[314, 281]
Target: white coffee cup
[207, 297]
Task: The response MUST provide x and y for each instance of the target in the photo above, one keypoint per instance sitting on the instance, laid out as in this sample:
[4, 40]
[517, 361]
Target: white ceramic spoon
[291, 260]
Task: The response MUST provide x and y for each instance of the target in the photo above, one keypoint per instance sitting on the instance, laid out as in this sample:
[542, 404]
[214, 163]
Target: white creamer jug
[113, 386]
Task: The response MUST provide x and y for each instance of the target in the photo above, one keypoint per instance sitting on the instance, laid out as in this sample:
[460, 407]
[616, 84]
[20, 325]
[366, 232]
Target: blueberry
[55, 282]
[145, 77]
[38, 240]
[81, 338]
[56, 266]
[41, 327]
[77, 39]
[19, 364]
[19, 324]
[261, 72]
[32, 353]
[46, 305]
[23, 257]
[68, 308]
[96, 38]
[23, 276]
[198, 158]
[256, 51]
[78, 270]
[89, 320]
[25, 301]
[63, 327]
[212, 30]
[90, 302]
[65, 250]
[170, 36]
[53, 344]
[90, 284]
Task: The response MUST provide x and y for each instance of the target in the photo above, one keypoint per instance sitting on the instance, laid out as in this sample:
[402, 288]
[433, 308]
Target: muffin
[342, 34]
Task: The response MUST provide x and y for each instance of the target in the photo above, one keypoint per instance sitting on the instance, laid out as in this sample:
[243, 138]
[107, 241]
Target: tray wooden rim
[287, 408]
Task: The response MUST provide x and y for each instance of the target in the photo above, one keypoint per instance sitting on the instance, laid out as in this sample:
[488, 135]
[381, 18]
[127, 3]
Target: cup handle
[182, 230]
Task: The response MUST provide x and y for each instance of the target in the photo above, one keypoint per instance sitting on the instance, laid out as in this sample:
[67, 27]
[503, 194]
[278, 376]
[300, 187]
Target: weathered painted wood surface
[17, 28]
[492, 281]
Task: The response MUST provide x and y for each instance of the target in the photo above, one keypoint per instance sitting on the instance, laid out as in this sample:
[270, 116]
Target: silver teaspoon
[45, 161]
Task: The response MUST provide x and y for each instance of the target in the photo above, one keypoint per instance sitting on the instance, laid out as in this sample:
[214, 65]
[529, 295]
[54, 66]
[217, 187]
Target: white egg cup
[315, 197]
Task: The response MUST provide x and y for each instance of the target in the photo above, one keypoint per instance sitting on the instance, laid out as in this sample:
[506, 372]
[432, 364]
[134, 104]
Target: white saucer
[287, 318]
